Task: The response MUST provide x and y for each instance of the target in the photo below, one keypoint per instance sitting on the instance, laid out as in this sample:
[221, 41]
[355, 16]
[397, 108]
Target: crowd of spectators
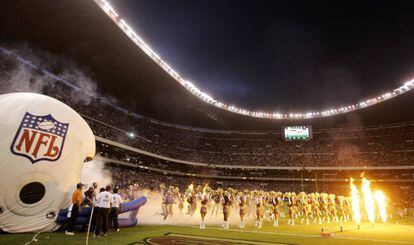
[123, 156]
[385, 145]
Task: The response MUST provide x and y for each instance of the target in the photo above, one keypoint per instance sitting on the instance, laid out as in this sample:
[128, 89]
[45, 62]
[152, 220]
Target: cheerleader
[216, 198]
[292, 203]
[227, 202]
[203, 209]
[259, 211]
[167, 202]
[281, 205]
[332, 208]
[315, 208]
[243, 200]
[306, 207]
[191, 197]
[344, 205]
[275, 200]
[323, 200]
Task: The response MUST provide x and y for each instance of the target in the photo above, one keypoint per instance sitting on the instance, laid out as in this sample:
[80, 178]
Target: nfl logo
[39, 138]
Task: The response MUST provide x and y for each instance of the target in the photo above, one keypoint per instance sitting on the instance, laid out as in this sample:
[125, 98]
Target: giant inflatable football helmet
[43, 145]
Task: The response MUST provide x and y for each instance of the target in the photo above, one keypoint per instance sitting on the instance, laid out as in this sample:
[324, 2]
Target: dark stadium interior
[80, 31]
[154, 139]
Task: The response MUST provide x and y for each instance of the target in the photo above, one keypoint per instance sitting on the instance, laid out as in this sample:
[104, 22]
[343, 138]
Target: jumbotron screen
[297, 132]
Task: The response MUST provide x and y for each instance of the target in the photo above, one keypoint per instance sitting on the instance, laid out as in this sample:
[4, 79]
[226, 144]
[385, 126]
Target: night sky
[281, 55]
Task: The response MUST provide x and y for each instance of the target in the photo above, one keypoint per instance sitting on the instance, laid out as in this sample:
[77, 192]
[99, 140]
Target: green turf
[390, 233]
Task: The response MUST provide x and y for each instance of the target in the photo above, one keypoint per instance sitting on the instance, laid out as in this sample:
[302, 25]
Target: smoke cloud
[94, 171]
[17, 77]
[24, 69]
[150, 213]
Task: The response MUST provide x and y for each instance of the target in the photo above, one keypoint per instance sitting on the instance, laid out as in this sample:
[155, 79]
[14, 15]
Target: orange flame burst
[355, 202]
[368, 200]
[381, 202]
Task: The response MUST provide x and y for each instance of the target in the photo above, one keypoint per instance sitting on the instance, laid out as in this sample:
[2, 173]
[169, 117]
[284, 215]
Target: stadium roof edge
[146, 48]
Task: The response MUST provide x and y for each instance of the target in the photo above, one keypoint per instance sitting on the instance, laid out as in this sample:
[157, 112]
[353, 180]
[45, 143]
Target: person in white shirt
[116, 206]
[103, 207]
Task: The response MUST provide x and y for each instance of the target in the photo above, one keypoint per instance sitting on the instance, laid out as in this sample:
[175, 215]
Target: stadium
[190, 167]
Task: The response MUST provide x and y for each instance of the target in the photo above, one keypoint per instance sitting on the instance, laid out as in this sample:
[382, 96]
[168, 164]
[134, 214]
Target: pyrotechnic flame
[380, 198]
[355, 202]
[368, 199]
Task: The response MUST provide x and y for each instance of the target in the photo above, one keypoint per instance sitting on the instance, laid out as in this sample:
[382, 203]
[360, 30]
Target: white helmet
[43, 144]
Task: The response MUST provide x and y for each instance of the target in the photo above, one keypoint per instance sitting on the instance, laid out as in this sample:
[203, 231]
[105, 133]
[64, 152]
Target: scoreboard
[297, 132]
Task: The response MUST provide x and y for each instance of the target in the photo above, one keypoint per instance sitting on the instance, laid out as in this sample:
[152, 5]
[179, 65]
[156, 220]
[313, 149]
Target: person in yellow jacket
[76, 207]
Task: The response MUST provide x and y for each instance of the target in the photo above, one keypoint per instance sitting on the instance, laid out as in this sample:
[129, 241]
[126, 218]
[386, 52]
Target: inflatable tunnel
[132, 207]
[43, 146]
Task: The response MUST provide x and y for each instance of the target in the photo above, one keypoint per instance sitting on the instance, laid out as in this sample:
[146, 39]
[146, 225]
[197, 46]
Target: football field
[390, 233]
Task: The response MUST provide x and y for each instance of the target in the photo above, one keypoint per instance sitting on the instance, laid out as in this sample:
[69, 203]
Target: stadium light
[123, 25]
